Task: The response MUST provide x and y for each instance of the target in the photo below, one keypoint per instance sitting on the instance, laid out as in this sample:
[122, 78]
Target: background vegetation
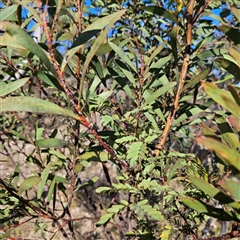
[120, 119]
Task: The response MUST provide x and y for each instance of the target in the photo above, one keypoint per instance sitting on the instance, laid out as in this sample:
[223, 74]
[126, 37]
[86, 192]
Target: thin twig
[183, 74]
[71, 98]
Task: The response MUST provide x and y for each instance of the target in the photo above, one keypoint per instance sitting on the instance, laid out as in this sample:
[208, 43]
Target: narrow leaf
[235, 54]
[29, 183]
[7, 12]
[227, 133]
[222, 97]
[232, 186]
[198, 78]
[50, 143]
[202, 207]
[163, 13]
[229, 66]
[232, 33]
[123, 56]
[20, 36]
[236, 12]
[11, 86]
[104, 219]
[34, 105]
[235, 94]
[158, 93]
[230, 155]
[44, 178]
[213, 192]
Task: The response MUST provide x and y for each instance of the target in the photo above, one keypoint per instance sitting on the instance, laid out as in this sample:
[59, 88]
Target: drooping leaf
[227, 133]
[232, 186]
[34, 105]
[198, 78]
[7, 12]
[222, 97]
[48, 79]
[235, 54]
[231, 156]
[87, 184]
[29, 183]
[214, 192]
[22, 38]
[153, 97]
[44, 177]
[236, 12]
[202, 207]
[235, 94]
[50, 143]
[123, 56]
[229, 66]
[163, 13]
[104, 219]
[232, 33]
[11, 86]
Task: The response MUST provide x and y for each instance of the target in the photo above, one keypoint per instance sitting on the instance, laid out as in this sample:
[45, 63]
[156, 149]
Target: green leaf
[126, 139]
[104, 219]
[188, 113]
[44, 178]
[213, 52]
[29, 183]
[87, 184]
[232, 186]
[173, 170]
[105, 48]
[155, 53]
[231, 156]
[102, 189]
[34, 105]
[151, 118]
[7, 12]
[123, 56]
[32, 10]
[122, 82]
[229, 66]
[161, 62]
[49, 79]
[51, 189]
[143, 202]
[163, 13]
[153, 97]
[213, 192]
[11, 86]
[196, 79]
[235, 53]
[116, 208]
[202, 207]
[22, 38]
[165, 235]
[99, 41]
[11, 42]
[173, 42]
[87, 34]
[236, 12]
[94, 156]
[50, 143]
[222, 97]
[232, 33]
[134, 152]
[227, 133]
[126, 72]
[235, 94]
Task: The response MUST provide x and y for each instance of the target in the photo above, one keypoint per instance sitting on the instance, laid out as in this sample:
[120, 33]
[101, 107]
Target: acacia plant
[119, 119]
